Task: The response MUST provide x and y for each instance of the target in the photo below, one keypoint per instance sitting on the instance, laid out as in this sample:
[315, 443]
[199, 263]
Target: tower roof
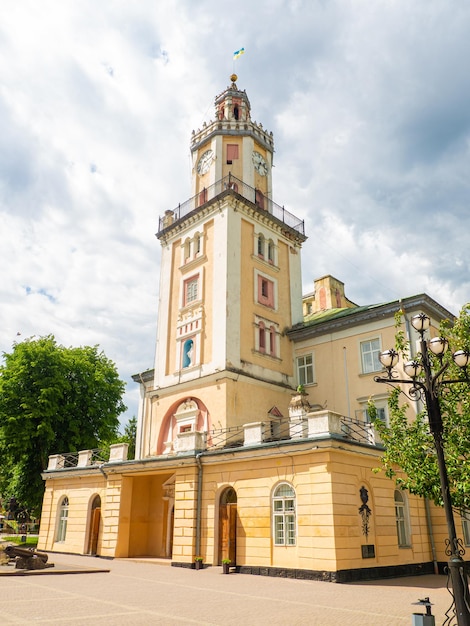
[232, 117]
[232, 93]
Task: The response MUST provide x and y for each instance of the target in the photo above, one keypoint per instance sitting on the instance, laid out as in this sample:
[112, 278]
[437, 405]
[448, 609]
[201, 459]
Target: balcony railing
[262, 202]
[284, 429]
[88, 458]
[314, 425]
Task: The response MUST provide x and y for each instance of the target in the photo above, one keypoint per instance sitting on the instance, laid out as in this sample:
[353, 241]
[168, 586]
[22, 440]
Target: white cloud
[368, 103]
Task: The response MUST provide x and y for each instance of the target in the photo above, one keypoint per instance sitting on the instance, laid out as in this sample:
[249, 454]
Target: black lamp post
[425, 384]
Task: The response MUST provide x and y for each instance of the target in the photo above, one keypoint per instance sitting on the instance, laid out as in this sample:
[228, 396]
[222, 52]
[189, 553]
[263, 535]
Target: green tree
[52, 399]
[129, 436]
[410, 456]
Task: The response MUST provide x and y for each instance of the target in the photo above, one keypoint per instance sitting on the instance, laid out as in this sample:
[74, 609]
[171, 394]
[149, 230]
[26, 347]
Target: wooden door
[95, 530]
[228, 532]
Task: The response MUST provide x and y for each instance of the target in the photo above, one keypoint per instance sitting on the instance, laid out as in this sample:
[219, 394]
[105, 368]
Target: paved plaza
[145, 591]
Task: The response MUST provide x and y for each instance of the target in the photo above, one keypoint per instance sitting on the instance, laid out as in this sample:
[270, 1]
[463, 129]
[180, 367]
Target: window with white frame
[187, 250]
[305, 369]
[191, 290]
[381, 409]
[188, 353]
[284, 524]
[402, 519]
[189, 329]
[266, 291]
[192, 248]
[267, 337]
[370, 351]
[265, 248]
[63, 519]
[271, 252]
[272, 341]
[465, 516]
[197, 244]
[262, 337]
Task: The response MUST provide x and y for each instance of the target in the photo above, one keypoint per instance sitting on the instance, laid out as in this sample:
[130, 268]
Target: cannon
[27, 558]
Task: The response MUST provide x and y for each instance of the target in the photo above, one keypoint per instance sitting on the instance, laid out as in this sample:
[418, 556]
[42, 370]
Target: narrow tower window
[272, 341]
[271, 251]
[262, 337]
[188, 353]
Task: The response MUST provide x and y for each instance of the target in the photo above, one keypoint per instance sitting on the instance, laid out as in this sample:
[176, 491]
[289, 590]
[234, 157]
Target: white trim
[361, 342]
[405, 519]
[256, 294]
[284, 514]
[312, 365]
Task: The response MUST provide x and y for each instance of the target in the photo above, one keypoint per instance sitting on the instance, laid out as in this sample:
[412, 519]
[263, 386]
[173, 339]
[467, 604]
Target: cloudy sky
[369, 104]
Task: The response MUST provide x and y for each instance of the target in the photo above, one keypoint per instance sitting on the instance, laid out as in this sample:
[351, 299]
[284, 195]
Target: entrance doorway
[228, 525]
[95, 519]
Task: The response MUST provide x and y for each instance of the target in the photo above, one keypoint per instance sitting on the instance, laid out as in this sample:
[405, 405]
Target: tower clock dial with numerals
[260, 164]
[204, 162]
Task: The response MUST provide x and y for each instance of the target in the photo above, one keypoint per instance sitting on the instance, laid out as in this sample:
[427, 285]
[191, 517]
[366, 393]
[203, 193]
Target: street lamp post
[425, 383]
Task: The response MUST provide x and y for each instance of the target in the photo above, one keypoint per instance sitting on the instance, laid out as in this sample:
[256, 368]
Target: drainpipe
[198, 504]
[346, 381]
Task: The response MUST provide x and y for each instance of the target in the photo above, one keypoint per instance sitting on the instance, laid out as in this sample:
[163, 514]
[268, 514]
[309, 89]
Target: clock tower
[230, 285]
[234, 144]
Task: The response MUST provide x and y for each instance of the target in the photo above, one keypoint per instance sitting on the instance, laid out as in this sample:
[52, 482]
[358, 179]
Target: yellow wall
[230, 401]
[80, 492]
[326, 478]
[329, 531]
[338, 369]
[281, 315]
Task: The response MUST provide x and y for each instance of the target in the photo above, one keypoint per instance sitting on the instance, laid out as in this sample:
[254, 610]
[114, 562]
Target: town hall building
[253, 439]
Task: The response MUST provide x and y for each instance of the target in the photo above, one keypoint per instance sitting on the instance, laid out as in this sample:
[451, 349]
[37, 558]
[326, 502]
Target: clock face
[204, 162]
[260, 164]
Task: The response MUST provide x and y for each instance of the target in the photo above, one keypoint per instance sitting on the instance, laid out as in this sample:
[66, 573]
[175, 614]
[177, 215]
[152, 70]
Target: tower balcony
[230, 185]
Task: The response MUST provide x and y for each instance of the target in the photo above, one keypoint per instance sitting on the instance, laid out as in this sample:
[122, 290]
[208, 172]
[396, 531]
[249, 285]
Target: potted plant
[198, 562]
[226, 566]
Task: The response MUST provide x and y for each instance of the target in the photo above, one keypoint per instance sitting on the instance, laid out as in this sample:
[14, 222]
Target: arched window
[465, 515]
[284, 526]
[197, 244]
[402, 519]
[272, 341]
[188, 352]
[187, 250]
[229, 496]
[262, 337]
[260, 245]
[271, 251]
[63, 518]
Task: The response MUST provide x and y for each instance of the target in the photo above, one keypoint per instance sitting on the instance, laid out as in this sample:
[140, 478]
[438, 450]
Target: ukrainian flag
[238, 53]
